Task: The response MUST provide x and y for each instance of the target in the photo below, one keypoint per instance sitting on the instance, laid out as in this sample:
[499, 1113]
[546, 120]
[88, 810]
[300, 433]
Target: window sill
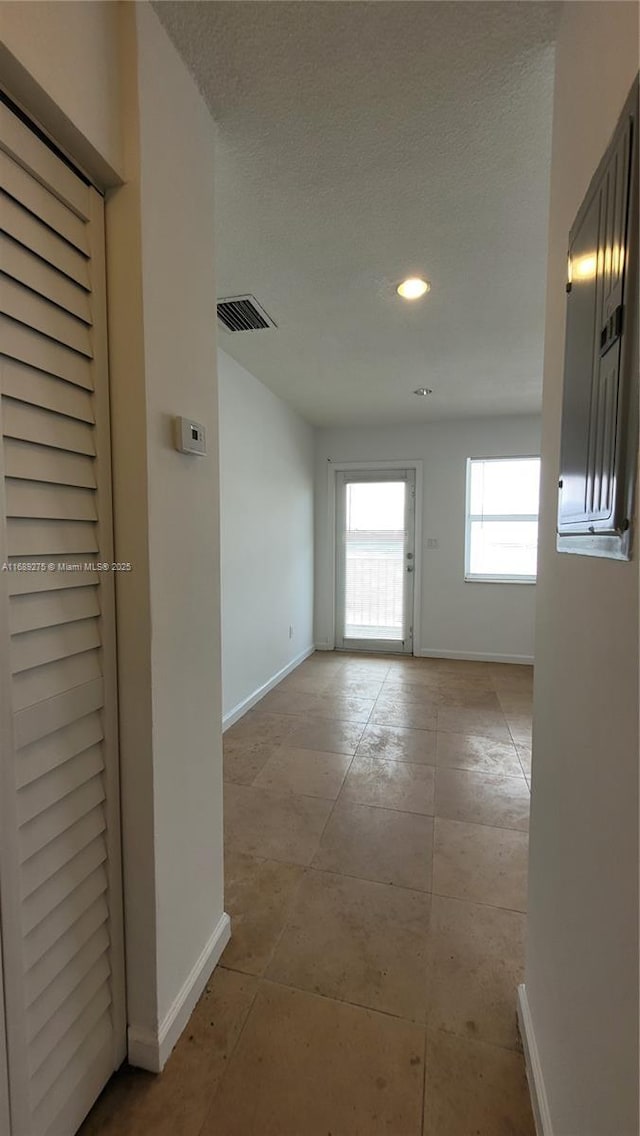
[500, 579]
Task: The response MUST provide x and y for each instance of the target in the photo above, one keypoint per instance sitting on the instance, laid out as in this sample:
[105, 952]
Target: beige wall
[176, 163]
[581, 976]
[107, 77]
[71, 52]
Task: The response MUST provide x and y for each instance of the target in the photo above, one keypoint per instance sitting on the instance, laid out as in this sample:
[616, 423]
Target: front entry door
[375, 560]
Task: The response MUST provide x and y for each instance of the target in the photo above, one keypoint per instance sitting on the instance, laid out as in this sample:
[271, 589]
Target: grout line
[231, 1051]
[421, 1025]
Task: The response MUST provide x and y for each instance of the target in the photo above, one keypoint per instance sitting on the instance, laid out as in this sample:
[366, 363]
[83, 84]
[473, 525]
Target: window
[502, 519]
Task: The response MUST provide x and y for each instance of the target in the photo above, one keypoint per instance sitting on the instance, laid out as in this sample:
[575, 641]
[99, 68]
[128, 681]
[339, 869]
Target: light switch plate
[190, 437]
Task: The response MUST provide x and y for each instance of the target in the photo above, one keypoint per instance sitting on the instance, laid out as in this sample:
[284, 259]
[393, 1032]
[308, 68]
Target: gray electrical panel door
[594, 473]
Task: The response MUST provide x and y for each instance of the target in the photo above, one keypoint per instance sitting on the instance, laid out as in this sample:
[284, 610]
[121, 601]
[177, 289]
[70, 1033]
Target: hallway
[376, 815]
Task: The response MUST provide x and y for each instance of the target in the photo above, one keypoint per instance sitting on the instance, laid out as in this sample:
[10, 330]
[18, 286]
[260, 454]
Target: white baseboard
[151, 1051]
[475, 656]
[537, 1092]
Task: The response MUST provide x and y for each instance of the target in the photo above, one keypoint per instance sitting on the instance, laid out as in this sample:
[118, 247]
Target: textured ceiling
[359, 143]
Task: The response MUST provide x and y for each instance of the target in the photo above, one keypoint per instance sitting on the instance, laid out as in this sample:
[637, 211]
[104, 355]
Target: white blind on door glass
[61, 927]
[375, 539]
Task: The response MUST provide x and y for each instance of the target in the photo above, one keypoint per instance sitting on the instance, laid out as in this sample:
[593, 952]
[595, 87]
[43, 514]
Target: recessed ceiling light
[413, 288]
[422, 391]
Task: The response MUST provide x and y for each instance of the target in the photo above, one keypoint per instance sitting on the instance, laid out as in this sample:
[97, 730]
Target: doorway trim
[334, 467]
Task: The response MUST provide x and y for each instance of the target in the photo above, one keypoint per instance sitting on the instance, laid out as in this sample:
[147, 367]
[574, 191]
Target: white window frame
[485, 577]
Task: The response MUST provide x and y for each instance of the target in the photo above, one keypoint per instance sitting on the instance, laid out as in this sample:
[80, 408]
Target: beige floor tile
[257, 896]
[358, 686]
[467, 686]
[480, 723]
[369, 668]
[243, 758]
[304, 683]
[524, 753]
[305, 771]
[326, 735]
[482, 798]
[465, 668]
[309, 1066]
[343, 707]
[378, 844]
[321, 662]
[393, 743]
[411, 715]
[516, 701]
[276, 827]
[469, 698]
[413, 686]
[476, 964]
[466, 751]
[405, 694]
[357, 941]
[474, 1088]
[176, 1104]
[482, 864]
[290, 701]
[391, 785]
[510, 676]
[259, 726]
[520, 729]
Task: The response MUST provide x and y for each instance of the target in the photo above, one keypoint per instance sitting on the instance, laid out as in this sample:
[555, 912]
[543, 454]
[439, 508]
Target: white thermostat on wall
[190, 436]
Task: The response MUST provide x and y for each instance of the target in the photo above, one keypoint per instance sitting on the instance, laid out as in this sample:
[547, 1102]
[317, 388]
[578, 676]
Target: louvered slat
[23, 582]
[91, 1029]
[59, 817]
[24, 147]
[36, 610]
[49, 790]
[46, 968]
[41, 757]
[41, 685]
[33, 722]
[42, 463]
[45, 500]
[27, 537]
[37, 648]
[36, 424]
[61, 883]
[28, 385]
[25, 306]
[27, 346]
[41, 278]
[32, 195]
[85, 1070]
[28, 231]
[60, 921]
[54, 1047]
[65, 982]
[40, 867]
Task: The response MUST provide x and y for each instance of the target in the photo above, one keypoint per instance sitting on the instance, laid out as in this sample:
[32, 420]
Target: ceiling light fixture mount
[422, 391]
[413, 288]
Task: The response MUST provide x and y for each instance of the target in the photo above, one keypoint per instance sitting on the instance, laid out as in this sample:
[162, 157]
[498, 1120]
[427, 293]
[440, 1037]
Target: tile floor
[376, 816]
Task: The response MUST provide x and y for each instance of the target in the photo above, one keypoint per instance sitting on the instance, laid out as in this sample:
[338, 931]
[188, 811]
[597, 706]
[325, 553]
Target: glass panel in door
[376, 551]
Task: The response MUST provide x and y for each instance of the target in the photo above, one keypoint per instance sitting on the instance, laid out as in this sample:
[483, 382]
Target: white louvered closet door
[60, 879]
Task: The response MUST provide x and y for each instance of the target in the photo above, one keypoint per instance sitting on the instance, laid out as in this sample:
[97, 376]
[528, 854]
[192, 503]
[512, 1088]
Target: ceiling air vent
[243, 313]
